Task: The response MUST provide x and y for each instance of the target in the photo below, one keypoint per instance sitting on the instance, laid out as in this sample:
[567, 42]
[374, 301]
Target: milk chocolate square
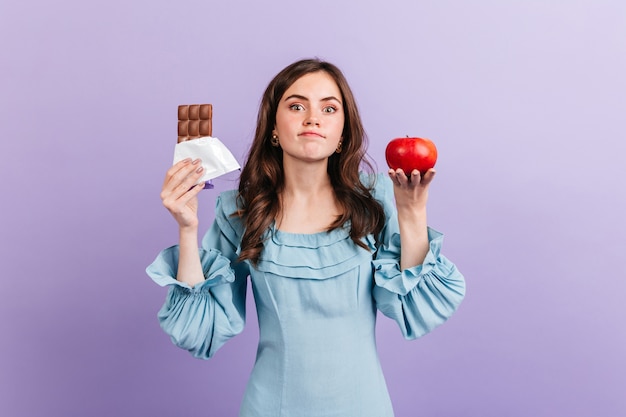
[194, 121]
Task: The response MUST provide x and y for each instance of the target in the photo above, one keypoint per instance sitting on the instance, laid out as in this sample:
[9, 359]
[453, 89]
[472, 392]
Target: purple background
[525, 100]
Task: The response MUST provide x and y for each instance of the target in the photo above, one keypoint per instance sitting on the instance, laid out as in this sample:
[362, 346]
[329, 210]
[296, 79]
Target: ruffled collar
[320, 255]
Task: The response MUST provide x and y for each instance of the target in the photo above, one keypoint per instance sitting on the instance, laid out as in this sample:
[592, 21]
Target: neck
[307, 203]
[306, 179]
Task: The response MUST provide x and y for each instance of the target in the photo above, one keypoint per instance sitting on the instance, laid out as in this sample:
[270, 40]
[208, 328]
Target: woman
[324, 247]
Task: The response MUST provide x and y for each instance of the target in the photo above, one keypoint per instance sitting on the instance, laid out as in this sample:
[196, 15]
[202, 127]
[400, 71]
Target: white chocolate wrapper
[216, 158]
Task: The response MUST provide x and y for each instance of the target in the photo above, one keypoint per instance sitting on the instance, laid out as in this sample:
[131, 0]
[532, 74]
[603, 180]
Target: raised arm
[205, 305]
[180, 196]
[411, 197]
[416, 285]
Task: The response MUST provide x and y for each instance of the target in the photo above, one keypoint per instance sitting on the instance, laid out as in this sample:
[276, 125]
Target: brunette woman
[324, 245]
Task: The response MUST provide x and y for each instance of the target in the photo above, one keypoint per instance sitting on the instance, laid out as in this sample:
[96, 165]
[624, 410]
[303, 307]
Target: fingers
[396, 175]
[175, 168]
[181, 177]
[415, 179]
[428, 177]
[182, 184]
[183, 201]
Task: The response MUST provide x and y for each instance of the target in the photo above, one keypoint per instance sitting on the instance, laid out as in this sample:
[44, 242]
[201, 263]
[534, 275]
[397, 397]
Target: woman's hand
[411, 197]
[411, 194]
[180, 192]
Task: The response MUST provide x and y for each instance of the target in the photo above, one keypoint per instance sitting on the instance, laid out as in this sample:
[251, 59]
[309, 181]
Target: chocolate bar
[194, 121]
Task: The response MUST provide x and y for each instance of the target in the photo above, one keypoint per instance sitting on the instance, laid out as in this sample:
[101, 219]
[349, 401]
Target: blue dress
[316, 297]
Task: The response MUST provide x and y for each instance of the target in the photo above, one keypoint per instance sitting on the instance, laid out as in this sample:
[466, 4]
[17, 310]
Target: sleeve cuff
[387, 273]
[216, 269]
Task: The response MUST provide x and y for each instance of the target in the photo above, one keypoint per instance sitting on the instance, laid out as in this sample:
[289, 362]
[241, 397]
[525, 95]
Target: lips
[311, 134]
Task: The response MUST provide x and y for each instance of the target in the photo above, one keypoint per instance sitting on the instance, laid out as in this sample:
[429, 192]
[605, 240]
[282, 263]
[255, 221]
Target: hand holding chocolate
[195, 126]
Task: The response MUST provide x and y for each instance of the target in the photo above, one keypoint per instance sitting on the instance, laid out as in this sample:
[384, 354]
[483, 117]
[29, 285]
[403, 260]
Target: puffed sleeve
[419, 298]
[201, 319]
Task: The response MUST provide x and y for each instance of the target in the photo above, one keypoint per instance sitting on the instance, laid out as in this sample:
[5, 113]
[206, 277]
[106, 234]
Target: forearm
[413, 237]
[189, 266]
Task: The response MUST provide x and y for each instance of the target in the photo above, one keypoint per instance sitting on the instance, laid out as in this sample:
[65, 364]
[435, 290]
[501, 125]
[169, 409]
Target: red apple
[411, 153]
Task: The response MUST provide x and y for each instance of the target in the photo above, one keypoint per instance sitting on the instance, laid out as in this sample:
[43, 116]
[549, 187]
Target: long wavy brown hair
[262, 178]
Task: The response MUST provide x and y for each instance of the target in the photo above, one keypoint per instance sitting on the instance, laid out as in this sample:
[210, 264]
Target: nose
[311, 120]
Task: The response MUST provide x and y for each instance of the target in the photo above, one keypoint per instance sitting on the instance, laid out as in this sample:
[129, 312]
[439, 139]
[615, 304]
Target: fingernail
[195, 161]
[200, 168]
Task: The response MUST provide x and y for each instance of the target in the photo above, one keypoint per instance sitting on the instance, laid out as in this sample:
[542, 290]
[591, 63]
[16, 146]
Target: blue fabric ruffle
[230, 226]
[387, 266]
[199, 319]
[316, 256]
[216, 269]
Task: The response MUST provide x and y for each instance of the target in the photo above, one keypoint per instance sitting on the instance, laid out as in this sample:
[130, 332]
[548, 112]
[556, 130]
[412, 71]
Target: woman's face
[310, 118]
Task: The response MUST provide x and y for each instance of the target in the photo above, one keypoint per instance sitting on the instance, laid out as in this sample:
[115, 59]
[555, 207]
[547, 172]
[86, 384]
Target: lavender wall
[525, 99]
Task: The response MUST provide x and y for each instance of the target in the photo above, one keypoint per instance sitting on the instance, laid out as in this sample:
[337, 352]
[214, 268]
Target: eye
[329, 109]
[296, 107]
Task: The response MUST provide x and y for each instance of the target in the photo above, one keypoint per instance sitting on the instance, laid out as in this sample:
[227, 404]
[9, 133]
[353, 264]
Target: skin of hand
[411, 194]
[411, 197]
[180, 196]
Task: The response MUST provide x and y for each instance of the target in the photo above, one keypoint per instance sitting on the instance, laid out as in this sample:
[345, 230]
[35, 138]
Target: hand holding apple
[411, 153]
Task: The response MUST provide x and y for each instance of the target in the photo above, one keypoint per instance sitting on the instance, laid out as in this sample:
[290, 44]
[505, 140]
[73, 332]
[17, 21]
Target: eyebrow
[299, 97]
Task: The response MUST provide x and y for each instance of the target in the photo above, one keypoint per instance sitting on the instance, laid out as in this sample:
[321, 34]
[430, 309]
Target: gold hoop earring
[274, 141]
[339, 147]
